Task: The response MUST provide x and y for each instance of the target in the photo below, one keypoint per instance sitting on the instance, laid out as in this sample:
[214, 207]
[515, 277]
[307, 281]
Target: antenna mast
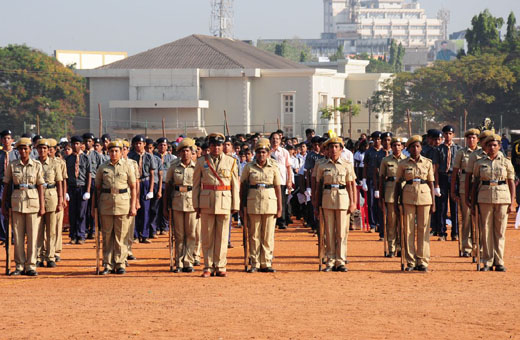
[222, 18]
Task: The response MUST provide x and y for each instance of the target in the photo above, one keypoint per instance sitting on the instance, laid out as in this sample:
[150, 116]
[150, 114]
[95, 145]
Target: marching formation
[118, 193]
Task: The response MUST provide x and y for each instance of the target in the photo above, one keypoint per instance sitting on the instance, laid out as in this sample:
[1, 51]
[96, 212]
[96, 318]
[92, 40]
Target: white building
[191, 82]
[85, 60]
[381, 19]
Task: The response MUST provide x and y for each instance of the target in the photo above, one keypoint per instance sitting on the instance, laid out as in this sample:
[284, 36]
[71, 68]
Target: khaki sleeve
[277, 180]
[458, 159]
[475, 169]
[317, 172]
[99, 177]
[169, 174]
[382, 168]
[197, 182]
[431, 176]
[64, 174]
[510, 170]
[39, 174]
[471, 162]
[131, 174]
[8, 175]
[235, 187]
[352, 172]
[59, 172]
[245, 174]
[400, 172]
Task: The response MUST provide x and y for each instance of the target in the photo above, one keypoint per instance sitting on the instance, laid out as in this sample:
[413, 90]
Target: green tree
[347, 106]
[338, 55]
[484, 34]
[293, 49]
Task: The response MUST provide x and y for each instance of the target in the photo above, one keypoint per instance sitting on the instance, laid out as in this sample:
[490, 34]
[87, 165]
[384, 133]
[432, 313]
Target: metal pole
[501, 126]
[369, 115]
[24, 127]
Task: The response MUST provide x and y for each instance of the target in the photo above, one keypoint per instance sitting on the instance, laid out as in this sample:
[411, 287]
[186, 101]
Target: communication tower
[221, 24]
[444, 16]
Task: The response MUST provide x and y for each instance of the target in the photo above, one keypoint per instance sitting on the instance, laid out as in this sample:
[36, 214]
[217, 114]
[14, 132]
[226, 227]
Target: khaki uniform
[52, 173]
[25, 204]
[180, 177]
[335, 203]
[461, 161]
[114, 206]
[131, 223]
[59, 215]
[262, 206]
[417, 202]
[493, 200]
[388, 170]
[216, 200]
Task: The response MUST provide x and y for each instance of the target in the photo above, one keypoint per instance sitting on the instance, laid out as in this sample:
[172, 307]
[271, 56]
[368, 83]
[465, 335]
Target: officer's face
[105, 143]
[7, 141]
[162, 147]
[89, 143]
[52, 152]
[98, 147]
[228, 148]
[396, 148]
[199, 151]
[185, 154]
[437, 141]
[261, 156]
[139, 147]
[115, 154]
[492, 148]
[76, 147]
[24, 152]
[471, 141]
[316, 147]
[68, 150]
[377, 142]
[448, 136]
[43, 151]
[125, 151]
[386, 142]
[215, 149]
[149, 148]
[415, 149]
[335, 151]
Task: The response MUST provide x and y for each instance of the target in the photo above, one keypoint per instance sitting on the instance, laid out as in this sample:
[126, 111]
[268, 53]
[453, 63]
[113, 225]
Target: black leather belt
[114, 191]
[493, 183]
[416, 180]
[334, 186]
[49, 186]
[183, 188]
[258, 186]
[390, 179]
[24, 186]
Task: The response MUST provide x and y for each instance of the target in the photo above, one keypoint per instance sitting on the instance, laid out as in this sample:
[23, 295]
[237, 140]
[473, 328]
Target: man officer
[368, 183]
[215, 196]
[116, 205]
[161, 220]
[24, 184]
[7, 154]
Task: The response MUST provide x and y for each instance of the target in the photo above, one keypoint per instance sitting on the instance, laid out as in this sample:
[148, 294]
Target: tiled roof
[205, 52]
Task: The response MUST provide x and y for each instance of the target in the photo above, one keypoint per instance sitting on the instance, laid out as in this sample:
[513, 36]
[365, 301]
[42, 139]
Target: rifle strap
[212, 169]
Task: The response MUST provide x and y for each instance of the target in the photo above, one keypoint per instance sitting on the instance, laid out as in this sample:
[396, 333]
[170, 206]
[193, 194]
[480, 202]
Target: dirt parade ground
[374, 300]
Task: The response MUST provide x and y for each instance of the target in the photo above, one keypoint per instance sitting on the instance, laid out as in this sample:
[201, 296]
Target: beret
[88, 135]
[185, 143]
[105, 137]
[162, 140]
[149, 141]
[6, 133]
[23, 142]
[414, 139]
[471, 132]
[138, 138]
[263, 143]
[387, 134]
[115, 144]
[448, 128]
[97, 141]
[36, 137]
[76, 139]
[436, 134]
[376, 134]
[316, 139]
[430, 132]
[228, 139]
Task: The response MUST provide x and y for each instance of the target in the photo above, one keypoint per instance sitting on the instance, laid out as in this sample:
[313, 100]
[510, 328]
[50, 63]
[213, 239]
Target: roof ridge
[196, 36]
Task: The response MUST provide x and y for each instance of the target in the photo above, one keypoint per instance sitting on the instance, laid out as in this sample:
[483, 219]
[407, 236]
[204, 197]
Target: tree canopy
[33, 84]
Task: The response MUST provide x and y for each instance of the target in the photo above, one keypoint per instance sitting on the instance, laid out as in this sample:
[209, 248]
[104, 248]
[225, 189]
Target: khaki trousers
[185, 224]
[115, 234]
[261, 239]
[198, 243]
[420, 255]
[215, 233]
[336, 233]
[391, 228]
[59, 232]
[25, 224]
[130, 236]
[494, 224]
[46, 241]
[465, 231]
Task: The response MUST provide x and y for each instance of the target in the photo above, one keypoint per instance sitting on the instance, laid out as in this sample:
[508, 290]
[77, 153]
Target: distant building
[85, 60]
[192, 81]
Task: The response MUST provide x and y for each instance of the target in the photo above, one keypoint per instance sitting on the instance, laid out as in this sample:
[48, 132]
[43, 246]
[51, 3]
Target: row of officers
[203, 192]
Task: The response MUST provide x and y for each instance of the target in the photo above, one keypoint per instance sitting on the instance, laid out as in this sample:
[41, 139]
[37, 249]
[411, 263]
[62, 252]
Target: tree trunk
[350, 124]
[408, 116]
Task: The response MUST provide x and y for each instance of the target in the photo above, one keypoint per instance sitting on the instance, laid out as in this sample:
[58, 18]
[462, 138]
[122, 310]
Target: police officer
[260, 192]
[115, 186]
[34, 151]
[158, 179]
[473, 158]
[515, 160]
[368, 183]
[443, 162]
[166, 158]
[387, 182]
[496, 194]
[131, 229]
[95, 159]
[179, 188]
[215, 196]
[386, 150]
[310, 161]
[146, 175]
[458, 187]
[336, 178]
[61, 212]
[24, 177]
[52, 175]
[196, 154]
[434, 141]
[7, 154]
[418, 202]
[78, 185]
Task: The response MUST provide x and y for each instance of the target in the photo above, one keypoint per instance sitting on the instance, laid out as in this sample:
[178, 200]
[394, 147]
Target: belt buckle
[261, 185]
[183, 188]
[23, 186]
[114, 191]
[45, 185]
[334, 186]
[416, 181]
[493, 183]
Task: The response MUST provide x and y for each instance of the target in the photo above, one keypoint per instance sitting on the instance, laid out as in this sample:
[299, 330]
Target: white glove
[149, 195]
[308, 192]
[437, 192]
[86, 196]
[376, 194]
[67, 197]
[364, 185]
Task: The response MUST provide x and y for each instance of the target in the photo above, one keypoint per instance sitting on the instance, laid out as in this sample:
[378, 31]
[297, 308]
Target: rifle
[321, 231]
[475, 222]
[403, 236]
[98, 236]
[8, 244]
[245, 237]
[170, 239]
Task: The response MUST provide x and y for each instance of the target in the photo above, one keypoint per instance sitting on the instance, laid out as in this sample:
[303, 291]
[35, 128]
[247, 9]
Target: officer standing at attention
[515, 160]
[473, 158]
[443, 162]
[59, 213]
[386, 150]
[418, 202]
[158, 179]
[52, 175]
[95, 159]
[146, 177]
[215, 196]
[459, 176]
[115, 186]
[387, 181]
[7, 154]
[198, 239]
[260, 192]
[496, 194]
[161, 220]
[78, 184]
[368, 183]
[24, 184]
[179, 188]
[336, 177]
[131, 223]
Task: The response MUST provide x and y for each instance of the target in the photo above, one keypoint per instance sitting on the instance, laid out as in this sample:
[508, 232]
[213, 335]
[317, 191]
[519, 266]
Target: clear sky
[137, 25]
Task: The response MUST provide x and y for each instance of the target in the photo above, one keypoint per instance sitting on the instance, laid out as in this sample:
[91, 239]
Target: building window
[288, 114]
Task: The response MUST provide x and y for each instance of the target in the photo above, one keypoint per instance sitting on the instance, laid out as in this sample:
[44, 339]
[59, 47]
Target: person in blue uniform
[7, 155]
[166, 158]
[368, 184]
[95, 160]
[386, 150]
